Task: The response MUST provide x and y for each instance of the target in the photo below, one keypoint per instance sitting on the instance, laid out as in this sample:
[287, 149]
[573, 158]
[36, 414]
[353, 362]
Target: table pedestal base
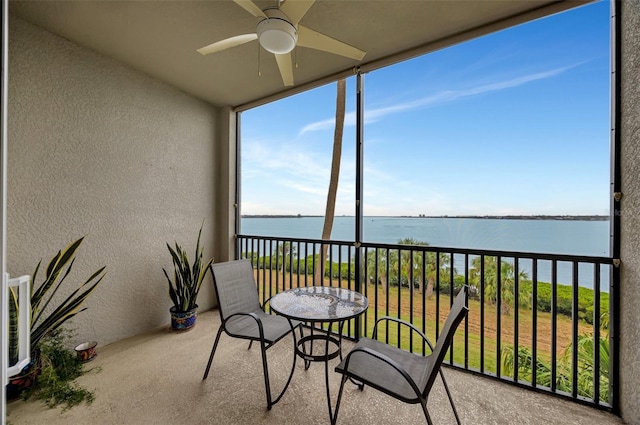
[309, 357]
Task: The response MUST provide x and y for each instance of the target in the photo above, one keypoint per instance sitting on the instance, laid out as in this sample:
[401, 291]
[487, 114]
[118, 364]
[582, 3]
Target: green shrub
[564, 296]
[59, 368]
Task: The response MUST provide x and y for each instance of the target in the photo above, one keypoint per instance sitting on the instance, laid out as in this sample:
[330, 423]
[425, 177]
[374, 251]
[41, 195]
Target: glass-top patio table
[320, 304]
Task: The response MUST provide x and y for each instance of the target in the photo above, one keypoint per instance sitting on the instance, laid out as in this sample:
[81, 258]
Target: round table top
[319, 303]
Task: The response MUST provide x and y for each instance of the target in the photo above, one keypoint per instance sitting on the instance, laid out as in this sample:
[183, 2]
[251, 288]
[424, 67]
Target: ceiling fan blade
[286, 68]
[250, 7]
[227, 43]
[296, 9]
[315, 40]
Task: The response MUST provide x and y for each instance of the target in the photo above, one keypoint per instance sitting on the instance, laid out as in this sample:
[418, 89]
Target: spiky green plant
[46, 320]
[184, 288]
[586, 344]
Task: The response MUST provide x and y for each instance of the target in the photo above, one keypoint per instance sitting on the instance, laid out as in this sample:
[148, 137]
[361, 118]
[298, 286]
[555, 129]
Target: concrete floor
[156, 378]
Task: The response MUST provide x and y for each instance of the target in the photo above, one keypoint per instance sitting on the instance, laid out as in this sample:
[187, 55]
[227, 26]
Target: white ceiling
[160, 38]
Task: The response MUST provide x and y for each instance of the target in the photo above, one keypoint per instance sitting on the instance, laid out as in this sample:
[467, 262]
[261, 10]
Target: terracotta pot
[183, 320]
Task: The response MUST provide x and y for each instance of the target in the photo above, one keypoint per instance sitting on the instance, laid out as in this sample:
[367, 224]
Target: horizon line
[433, 216]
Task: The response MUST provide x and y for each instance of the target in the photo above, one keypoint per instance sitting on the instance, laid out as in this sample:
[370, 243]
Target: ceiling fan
[278, 31]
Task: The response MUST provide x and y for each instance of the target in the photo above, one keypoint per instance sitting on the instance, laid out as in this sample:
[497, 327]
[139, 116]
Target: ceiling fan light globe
[277, 35]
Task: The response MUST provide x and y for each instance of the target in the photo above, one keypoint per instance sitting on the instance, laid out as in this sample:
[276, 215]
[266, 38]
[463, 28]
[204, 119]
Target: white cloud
[292, 178]
[445, 96]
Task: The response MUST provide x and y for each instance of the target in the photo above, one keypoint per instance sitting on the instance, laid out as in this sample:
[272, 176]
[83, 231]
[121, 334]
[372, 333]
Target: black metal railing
[539, 321]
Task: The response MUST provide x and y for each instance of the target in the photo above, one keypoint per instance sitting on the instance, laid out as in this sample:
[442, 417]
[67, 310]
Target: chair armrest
[267, 301]
[259, 322]
[402, 322]
[255, 317]
[264, 304]
[386, 359]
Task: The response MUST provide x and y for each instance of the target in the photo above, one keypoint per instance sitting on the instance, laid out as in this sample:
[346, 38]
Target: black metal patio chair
[242, 316]
[401, 374]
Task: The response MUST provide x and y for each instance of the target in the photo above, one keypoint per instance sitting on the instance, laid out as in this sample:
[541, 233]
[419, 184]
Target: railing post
[359, 211]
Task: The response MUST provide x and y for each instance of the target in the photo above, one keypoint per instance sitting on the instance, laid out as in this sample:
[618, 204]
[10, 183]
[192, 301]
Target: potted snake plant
[48, 313]
[185, 286]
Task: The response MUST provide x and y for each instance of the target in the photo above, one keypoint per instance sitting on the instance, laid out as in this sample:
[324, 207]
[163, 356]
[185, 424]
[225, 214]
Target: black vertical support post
[437, 289]
[264, 271]
[466, 319]
[424, 283]
[359, 191]
[534, 323]
[596, 334]
[554, 323]
[616, 170]
[376, 282]
[516, 314]
[277, 264]
[411, 296]
[236, 205]
[308, 269]
[298, 265]
[386, 292]
[365, 279]
[482, 259]
[499, 313]
[399, 313]
[330, 248]
[451, 296]
[574, 330]
[271, 294]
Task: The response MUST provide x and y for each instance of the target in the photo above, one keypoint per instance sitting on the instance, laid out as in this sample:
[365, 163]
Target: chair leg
[293, 368]
[426, 412]
[265, 372]
[213, 351]
[446, 388]
[250, 344]
[334, 419]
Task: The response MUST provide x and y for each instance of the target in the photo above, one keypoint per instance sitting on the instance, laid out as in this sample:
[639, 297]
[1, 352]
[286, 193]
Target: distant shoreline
[494, 217]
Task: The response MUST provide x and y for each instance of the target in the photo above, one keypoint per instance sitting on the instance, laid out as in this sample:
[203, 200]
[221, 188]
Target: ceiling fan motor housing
[276, 34]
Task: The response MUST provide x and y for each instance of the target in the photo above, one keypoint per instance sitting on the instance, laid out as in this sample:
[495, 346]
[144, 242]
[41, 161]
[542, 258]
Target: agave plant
[44, 319]
[184, 288]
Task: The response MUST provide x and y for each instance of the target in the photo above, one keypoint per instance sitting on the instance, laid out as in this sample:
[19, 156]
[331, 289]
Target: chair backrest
[458, 311]
[235, 287]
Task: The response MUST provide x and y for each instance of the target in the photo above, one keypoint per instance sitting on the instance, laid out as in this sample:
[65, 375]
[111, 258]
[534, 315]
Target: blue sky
[516, 122]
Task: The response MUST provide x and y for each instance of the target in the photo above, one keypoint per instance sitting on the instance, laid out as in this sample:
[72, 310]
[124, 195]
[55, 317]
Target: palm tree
[335, 174]
[285, 251]
[377, 275]
[586, 367]
[407, 265]
[507, 282]
[437, 270]
[285, 254]
[412, 261]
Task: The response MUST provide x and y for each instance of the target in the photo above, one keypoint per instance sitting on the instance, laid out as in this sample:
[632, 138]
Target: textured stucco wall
[98, 149]
[630, 219]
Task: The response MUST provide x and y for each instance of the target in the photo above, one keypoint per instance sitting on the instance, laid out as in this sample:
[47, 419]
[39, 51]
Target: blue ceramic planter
[183, 320]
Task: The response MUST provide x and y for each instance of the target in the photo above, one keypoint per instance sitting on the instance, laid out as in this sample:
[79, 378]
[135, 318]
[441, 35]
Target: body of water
[575, 237]
[572, 237]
